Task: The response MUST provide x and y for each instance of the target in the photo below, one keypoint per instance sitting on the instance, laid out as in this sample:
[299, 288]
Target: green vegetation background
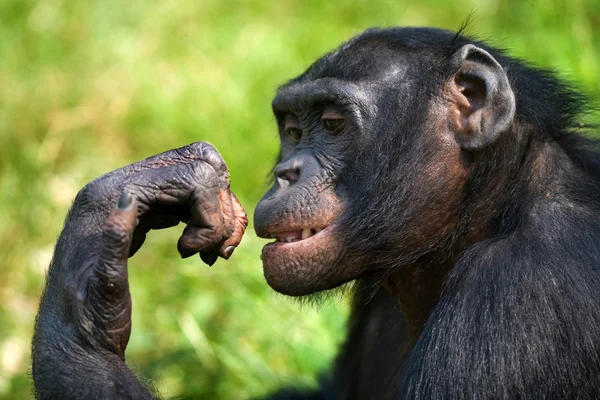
[89, 86]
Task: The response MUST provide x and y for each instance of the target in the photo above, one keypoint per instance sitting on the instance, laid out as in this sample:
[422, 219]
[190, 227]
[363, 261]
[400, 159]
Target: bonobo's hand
[86, 307]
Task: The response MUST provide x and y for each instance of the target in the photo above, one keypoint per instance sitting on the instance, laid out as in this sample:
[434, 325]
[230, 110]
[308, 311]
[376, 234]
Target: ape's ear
[483, 104]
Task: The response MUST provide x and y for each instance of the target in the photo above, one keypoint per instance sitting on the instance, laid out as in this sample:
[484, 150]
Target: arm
[84, 321]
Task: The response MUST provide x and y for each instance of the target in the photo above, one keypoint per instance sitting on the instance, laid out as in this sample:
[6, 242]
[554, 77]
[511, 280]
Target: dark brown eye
[291, 127]
[333, 122]
[295, 133]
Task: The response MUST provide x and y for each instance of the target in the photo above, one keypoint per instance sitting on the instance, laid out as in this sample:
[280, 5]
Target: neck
[417, 289]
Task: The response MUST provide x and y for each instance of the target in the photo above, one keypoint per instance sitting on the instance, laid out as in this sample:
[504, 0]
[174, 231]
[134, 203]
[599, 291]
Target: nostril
[291, 175]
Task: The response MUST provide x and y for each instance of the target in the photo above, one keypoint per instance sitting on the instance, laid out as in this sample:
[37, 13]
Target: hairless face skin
[442, 176]
[301, 209]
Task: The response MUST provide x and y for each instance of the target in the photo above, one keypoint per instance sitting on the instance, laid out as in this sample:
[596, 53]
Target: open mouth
[294, 235]
[304, 260]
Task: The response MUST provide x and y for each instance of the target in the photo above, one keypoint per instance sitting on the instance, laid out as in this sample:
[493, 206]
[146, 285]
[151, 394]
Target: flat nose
[298, 167]
[288, 173]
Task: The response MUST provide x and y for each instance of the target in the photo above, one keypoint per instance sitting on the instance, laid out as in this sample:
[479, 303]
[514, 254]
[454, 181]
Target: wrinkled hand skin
[84, 321]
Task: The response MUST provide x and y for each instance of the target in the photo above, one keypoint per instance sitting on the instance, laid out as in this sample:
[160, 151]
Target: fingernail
[209, 257]
[124, 201]
[228, 252]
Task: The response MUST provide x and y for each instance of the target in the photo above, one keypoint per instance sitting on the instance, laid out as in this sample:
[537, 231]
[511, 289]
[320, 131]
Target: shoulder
[551, 259]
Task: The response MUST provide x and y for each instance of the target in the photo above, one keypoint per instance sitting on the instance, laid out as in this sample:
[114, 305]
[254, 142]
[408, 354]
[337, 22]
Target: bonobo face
[317, 122]
[325, 119]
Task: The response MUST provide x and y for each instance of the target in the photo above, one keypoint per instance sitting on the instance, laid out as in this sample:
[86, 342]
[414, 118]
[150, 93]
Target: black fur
[518, 315]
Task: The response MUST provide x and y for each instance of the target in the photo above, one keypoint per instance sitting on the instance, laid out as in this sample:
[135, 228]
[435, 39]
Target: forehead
[378, 57]
[357, 61]
[378, 53]
[375, 61]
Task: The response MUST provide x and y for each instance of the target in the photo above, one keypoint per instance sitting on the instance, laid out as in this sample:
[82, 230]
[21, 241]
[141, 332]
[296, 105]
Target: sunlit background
[89, 86]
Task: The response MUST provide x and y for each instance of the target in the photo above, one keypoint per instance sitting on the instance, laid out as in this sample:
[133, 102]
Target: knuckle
[199, 149]
[204, 152]
[204, 175]
[209, 154]
[204, 147]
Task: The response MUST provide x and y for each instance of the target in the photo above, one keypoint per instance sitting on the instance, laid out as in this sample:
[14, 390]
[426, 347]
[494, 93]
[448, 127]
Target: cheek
[445, 178]
[448, 171]
[443, 181]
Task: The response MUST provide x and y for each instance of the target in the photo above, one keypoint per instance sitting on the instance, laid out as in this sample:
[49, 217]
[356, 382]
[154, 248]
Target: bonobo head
[378, 142]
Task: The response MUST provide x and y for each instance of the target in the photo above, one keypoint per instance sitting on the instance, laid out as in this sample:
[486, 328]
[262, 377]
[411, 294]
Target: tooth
[318, 229]
[306, 233]
[289, 239]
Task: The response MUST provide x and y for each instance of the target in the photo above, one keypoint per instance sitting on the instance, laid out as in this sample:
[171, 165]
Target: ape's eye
[333, 122]
[291, 127]
[295, 133]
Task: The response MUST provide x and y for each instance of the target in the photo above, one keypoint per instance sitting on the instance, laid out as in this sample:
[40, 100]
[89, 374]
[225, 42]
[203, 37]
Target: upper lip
[291, 235]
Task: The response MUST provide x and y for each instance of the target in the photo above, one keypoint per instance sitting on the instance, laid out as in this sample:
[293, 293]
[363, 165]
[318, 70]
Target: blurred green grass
[86, 87]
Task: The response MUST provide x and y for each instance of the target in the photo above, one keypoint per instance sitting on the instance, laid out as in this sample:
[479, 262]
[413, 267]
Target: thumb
[111, 266]
[109, 297]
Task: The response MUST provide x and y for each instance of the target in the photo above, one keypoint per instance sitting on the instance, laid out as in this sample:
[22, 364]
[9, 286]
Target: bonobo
[451, 182]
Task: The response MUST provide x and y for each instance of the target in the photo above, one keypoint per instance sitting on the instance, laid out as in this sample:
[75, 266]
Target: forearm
[66, 371]
[72, 355]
